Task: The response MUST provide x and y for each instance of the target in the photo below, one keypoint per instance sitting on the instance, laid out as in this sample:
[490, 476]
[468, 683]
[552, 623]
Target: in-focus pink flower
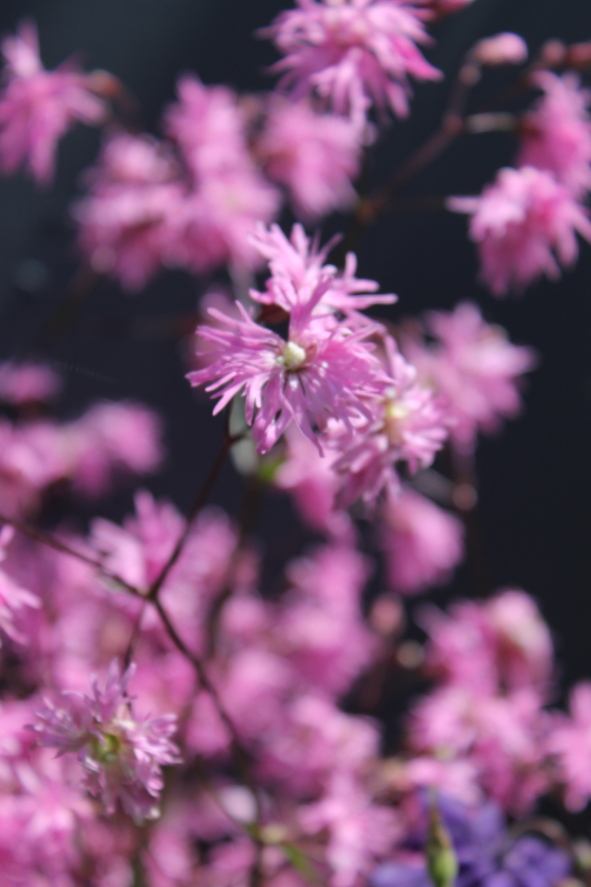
[423, 543]
[37, 107]
[569, 742]
[556, 133]
[121, 757]
[475, 369]
[314, 156]
[525, 225]
[322, 371]
[353, 53]
[299, 271]
[407, 425]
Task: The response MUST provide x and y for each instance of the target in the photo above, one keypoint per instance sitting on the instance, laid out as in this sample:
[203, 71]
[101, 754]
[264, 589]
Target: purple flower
[353, 53]
[486, 854]
[121, 757]
[37, 106]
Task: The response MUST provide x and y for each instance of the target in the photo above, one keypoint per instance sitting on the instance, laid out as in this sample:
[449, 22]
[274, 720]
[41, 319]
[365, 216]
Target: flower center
[293, 356]
[395, 414]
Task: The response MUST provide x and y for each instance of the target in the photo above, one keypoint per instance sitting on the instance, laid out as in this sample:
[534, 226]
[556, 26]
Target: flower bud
[442, 863]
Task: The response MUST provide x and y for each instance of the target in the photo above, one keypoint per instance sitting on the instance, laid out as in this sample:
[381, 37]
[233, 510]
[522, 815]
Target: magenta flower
[12, 597]
[557, 132]
[25, 382]
[121, 757]
[130, 220]
[353, 53]
[299, 274]
[37, 106]
[322, 371]
[525, 225]
[570, 744]
[474, 368]
[407, 425]
[315, 156]
[422, 542]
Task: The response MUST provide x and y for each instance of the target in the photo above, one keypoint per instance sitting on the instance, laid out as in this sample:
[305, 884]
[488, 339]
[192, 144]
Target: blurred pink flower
[122, 758]
[423, 543]
[569, 742]
[556, 134]
[474, 368]
[129, 222]
[12, 597]
[525, 225]
[407, 425]
[353, 52]
[22, 383]
[37, 107]
[502, 49]
[315, 156]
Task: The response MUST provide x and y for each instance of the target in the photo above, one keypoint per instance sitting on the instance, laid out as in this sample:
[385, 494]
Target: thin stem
[198, 504]
[52, 542]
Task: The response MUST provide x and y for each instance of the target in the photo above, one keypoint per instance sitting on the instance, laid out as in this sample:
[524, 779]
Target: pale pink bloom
[503, 736]
[525, 225]
[22, 383]
[216, 219]
[457, 778]
[121, 757]
[569, 742]
[502, 49]
[209, 128]
[315, 739]
[299, 273]
[312, 482]
[129, 222]
[320, 629]
[37, 107]
[499, 643]
[556, 133]
[422, 542]
[113, 436]
[474, 368]
[360, 831]
[12, 597]
[315, 156]
[407, 425]
[353, 53]
[318, 373]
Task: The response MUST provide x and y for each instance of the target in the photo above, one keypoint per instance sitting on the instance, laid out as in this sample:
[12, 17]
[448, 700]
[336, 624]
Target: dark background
[535, 478]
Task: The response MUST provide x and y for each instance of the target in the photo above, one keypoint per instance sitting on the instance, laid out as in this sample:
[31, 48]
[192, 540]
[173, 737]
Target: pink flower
[130, 220]
[359, 830]
[557, 132]
[422, 542]
[209, 128]
[37, 107]
[525, 225]
[22, 383]
[311, 480]
[352, 52]
[407, 425]
[121, 757]
[315, 156]
[321, 629]
[570, 743]
[12, 597]
[318, 373]
[298, 273]
[474, 368]
[502, 49]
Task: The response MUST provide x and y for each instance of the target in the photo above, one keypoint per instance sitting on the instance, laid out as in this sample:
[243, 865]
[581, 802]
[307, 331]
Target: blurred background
[535, 480]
